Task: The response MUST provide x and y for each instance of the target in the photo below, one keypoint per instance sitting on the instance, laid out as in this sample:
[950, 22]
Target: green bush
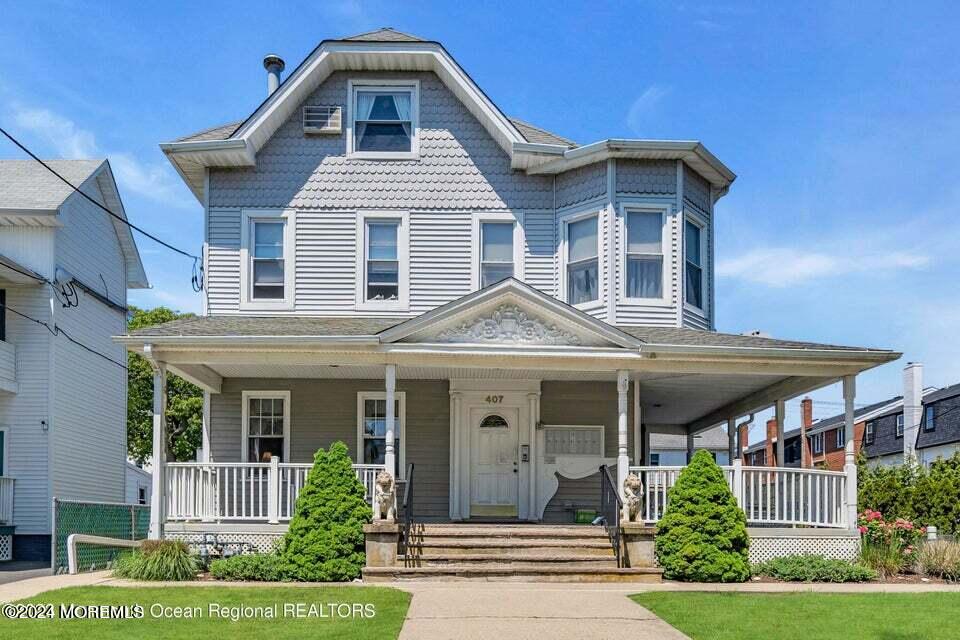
[325, 540]
[928, 496]
[940, 559]
[812, 568]
[254, 567]
[158, 560]
[702, 536]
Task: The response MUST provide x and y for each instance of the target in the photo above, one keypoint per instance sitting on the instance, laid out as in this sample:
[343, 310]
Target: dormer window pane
[694, 264]
[582, 261]
[268, 277]
[644, 254]
[383, 121]
[496, 252]
[383, 267]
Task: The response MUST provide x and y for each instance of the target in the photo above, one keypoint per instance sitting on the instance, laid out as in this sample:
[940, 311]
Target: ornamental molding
[509, 324]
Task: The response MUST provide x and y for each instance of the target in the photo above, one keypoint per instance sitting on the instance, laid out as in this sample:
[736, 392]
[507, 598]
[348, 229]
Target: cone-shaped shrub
[702, 537]
[325, 540]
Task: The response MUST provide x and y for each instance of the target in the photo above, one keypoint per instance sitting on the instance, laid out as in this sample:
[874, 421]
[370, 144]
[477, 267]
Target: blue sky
[840, 120]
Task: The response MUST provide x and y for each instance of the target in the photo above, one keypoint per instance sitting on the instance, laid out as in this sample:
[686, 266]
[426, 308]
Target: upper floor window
[841, 437]
[267, 248]
[870, 433]
[900, 425]
[929, 418]
[384, 120]
[816, 442]
[693, 256]
[383, 260]
[644, 254]
[496, 252]
[583, 261]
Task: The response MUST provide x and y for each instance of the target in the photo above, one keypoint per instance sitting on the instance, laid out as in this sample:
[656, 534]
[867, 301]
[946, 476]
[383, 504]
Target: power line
[197, 278]
[56, 330]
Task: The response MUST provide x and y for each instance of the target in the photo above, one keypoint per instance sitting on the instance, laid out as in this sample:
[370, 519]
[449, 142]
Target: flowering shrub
[887, 547]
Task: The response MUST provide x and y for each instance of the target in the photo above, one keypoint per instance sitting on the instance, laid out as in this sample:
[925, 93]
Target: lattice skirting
[6, 547]
[264, 542]
[838, 547]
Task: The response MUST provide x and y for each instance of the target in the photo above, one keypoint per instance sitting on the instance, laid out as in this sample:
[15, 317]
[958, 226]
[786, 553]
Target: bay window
[496, 252]
[693, 258]
[583, 263]
[644, 254]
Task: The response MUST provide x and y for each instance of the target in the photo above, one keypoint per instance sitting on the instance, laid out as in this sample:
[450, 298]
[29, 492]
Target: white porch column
[456, 398]
[205, 430]
[533, 409]
[157, 498]
[849, 466]
[623, 459]
[638, 444]
[732, 439]
[780, 411]
[389, 456]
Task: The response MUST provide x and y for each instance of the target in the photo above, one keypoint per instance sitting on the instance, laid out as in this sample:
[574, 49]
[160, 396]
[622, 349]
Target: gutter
[222, 341]
[653, 350]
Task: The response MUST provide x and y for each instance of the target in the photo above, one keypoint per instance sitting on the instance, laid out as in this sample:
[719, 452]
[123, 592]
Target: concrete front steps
[513, 552]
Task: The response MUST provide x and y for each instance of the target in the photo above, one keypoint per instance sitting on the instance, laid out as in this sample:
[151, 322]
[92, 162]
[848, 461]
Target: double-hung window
[583, 262]
[383, 260]
[841, 438]
[929, 418]
[816, 442]
[899, 425]
[496, 252]
[870, 433]
[266, 423]
[372, 428]
[693, 257]
[267, 252]
[644, 254]
[267, 258]
[384, 120]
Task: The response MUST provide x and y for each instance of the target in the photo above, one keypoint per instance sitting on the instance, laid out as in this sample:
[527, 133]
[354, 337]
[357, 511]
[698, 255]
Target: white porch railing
[6, 500]
[768, 495]
[267, 491]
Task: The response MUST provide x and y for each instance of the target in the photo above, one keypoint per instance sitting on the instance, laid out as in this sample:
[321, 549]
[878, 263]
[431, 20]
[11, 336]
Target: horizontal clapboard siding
[223, 260]
[540, 251]
[326, 258]
[440, 253]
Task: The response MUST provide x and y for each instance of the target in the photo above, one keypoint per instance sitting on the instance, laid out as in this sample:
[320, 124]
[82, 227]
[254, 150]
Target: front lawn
[302, 612]
[802, 616]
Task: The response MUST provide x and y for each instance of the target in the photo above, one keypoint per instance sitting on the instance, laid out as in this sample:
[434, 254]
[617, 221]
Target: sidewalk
[33, 586]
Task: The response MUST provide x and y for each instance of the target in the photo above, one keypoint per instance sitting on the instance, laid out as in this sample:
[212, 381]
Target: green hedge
[254, 567]
[812, 568]
[927, 496]
[702, 536]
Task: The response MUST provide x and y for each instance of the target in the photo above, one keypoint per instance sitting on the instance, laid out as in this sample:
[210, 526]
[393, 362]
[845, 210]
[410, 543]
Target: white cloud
[152, 180]
[644, 107]
[784, 266]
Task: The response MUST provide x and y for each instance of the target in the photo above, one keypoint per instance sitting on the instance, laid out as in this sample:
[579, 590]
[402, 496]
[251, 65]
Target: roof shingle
[27, 185]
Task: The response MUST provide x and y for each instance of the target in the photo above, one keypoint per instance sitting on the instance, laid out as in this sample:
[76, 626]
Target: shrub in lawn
[253, 567]
[940, 559]
[886, 547]
[702, 536]
[158, 560]
[811, 568]
[325, 540]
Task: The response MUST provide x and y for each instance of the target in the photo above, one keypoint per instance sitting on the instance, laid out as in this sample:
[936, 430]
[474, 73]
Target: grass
[389, 608]
[802, 616]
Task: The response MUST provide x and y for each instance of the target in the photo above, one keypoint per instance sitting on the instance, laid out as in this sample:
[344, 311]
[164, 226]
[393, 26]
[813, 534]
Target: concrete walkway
[518, 611]
[33, 586]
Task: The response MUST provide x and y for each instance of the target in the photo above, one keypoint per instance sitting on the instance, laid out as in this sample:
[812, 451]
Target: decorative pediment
[509, 324]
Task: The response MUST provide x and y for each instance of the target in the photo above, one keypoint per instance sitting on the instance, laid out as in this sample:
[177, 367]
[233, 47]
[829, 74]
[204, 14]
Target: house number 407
[494, 399]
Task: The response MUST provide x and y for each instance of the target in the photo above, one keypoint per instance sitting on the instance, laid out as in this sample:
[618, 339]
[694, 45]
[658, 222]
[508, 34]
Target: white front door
[494, 461]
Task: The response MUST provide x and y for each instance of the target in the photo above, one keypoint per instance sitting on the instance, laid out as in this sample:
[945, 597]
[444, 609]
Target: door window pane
[496, 252]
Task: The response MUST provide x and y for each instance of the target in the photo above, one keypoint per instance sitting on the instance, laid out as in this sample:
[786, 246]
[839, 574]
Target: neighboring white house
[62, 407]
[138, 483]
[393, 262]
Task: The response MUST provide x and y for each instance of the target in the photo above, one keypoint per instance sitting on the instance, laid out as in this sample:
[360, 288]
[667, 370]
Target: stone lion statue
[384, 494]
[633, 498]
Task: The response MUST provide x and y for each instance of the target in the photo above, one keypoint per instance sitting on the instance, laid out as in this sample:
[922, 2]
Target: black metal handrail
[610, 507]
[406, 512]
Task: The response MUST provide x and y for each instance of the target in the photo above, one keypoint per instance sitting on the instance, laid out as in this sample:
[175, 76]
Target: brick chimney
[806, 421]
[743, 430]
[771, 447]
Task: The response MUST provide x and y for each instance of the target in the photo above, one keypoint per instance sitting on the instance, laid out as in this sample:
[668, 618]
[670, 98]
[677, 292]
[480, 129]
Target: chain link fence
[111, 520]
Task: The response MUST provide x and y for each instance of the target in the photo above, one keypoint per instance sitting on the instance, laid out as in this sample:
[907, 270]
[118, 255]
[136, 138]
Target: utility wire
[197, 278]
[56, 330]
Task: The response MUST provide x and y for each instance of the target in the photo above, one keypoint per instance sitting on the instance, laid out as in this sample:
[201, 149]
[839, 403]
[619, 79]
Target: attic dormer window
[384, 120]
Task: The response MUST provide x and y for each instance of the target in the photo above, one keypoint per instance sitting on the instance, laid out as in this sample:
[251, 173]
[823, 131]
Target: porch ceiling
[666, 398]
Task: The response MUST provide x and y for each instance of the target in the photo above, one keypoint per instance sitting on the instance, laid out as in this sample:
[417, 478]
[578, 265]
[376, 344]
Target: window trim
[401, 398]
[930, 411]
[402, 303]
[477, 248]
[5, 459]
[411, 84]
[247, 219]
[701, 224]
[665, 212]
[870, 432]
[246, 396]
[899, 425]
[566, 221]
